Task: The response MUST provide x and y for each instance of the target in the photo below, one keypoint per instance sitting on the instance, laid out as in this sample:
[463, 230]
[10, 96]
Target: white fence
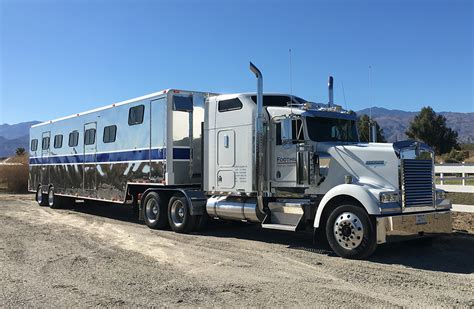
[443, 172]
[460, 173]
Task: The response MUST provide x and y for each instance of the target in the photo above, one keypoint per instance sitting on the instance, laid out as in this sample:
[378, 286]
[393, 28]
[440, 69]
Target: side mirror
[286, 136]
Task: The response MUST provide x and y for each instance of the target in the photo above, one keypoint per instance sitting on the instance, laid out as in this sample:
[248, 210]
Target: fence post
[463, 177]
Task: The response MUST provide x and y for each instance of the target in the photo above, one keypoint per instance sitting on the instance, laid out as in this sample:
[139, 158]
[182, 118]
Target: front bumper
[406, 226]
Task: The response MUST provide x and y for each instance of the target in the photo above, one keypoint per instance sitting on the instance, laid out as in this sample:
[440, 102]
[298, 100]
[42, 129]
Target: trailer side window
[110, 133]
[73, 139]
[58, 141]
[34, 145]
[89, 137]
[45, 144]
[229, 105]
[135, 115]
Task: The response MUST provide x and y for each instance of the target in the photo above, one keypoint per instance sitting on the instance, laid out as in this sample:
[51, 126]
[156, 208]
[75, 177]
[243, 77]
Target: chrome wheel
[51, 196]
[151, 210]
[177, 213]
[39, 196]
[348, 230]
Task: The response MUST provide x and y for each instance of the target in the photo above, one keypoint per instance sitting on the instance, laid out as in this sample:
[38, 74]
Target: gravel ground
[99, 256]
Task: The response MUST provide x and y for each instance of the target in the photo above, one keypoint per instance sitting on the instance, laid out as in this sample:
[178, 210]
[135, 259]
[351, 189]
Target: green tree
[431, 128]
[20, 151]
[363, 126]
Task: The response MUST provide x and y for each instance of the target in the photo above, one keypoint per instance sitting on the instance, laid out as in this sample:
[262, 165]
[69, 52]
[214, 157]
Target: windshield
[322, 129]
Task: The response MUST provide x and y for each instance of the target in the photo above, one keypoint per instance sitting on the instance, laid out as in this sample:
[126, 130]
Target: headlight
[389, 197]
[440, 194]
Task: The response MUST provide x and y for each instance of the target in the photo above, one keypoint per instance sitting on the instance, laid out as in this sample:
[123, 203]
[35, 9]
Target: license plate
[420, 219]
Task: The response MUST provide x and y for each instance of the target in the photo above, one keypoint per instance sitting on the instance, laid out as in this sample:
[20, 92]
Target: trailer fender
[360, 193]
[196, 199]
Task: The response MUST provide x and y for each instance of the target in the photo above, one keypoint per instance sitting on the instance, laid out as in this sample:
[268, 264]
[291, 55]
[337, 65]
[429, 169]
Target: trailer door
[90, 160]
[45, 146]
[182, 134]
[158, 122]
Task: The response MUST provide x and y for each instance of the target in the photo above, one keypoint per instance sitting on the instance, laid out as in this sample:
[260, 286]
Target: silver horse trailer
[100, 154]
[180, 157]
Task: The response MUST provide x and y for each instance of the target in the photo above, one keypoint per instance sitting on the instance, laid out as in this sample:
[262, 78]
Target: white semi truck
[180, 157]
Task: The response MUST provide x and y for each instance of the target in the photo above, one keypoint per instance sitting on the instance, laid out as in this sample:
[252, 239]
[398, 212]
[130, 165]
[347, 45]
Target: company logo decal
[286, 160]
[381, 162]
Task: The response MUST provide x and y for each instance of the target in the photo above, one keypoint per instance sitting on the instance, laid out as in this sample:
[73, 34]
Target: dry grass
[461, 198]
[14, 178]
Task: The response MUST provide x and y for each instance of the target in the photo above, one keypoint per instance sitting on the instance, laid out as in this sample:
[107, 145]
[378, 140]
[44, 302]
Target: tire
[154, 211]
[179, 215]
[40, 197]
[53, 201]
[350, 232]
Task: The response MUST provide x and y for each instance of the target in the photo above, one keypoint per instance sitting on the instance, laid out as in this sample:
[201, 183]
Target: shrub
[14, 176]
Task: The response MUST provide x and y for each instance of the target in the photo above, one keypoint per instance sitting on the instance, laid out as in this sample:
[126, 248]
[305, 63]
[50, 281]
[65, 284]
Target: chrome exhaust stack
[259, 138]
[331, 92]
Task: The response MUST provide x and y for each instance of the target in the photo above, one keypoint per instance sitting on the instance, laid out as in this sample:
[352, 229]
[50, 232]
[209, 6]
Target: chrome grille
[417, 183]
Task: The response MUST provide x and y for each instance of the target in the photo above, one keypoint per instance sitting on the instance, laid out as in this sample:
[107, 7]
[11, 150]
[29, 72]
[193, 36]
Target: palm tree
[20, 151]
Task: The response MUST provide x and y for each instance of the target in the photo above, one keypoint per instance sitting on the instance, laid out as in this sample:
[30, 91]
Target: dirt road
[99, 256]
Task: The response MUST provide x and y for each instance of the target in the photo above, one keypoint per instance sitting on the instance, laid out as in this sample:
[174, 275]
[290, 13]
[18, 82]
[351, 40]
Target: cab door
[90, 159]
[288, 133]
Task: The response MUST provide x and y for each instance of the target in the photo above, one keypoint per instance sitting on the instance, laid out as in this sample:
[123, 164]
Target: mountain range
[393, 122]
[14, 136]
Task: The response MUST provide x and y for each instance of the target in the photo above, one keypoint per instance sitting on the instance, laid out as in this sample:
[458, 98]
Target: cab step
[282, 227]
[284, 216]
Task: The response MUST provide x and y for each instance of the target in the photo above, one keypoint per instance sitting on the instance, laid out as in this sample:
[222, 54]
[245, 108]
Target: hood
[373, 164]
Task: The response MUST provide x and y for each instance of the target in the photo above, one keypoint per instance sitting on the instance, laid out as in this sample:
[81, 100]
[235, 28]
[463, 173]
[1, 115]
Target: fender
[358, 192]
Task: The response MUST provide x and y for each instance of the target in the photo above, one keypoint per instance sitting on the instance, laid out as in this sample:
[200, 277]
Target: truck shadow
[452, 254]
[120, 212]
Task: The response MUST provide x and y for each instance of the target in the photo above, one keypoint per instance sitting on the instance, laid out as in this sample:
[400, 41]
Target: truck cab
[306, 169]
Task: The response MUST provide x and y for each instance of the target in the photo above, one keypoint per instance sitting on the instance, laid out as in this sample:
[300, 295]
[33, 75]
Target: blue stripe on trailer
[121, 156]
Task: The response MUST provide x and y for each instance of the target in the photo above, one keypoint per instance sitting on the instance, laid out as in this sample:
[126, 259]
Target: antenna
[344, 94]
[291, 83]
[370, 103]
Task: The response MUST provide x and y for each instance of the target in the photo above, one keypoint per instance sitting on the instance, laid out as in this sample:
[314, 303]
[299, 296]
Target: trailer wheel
[155, 211]
[179, 215]
[54, 201]
[350, 232]
[40, 197]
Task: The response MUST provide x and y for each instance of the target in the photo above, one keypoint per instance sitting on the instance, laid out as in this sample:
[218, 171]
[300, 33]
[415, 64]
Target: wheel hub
[151, 210]
[348, 230]
[177, 213]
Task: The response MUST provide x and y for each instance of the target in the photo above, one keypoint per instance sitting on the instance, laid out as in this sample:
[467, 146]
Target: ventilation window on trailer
[73, 139]
[58, 141]
[45, 144]
[110, 133]
[34, 145]
[135, 115]
[89, 137]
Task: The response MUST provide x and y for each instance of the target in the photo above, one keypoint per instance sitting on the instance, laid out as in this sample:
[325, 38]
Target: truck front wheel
[350, 232]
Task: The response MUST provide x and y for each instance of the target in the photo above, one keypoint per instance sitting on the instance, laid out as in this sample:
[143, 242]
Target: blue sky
[62, 57]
